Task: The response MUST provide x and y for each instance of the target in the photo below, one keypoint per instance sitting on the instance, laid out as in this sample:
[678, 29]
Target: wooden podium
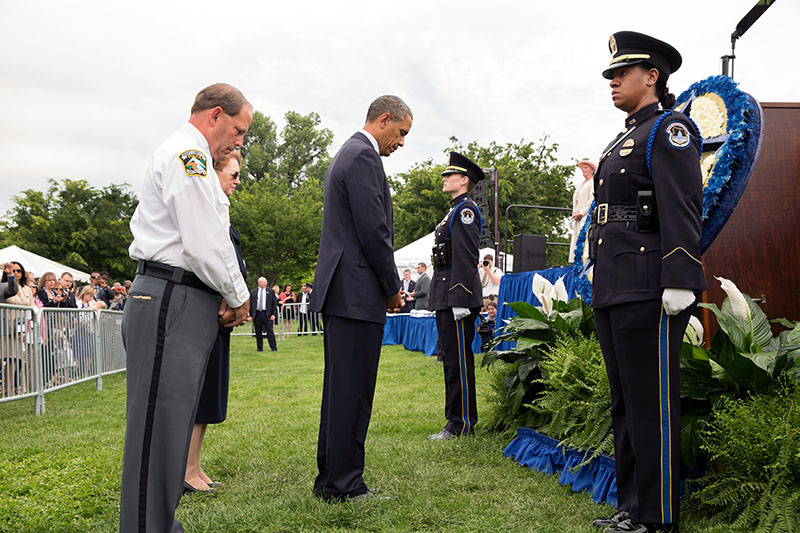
[759, 247]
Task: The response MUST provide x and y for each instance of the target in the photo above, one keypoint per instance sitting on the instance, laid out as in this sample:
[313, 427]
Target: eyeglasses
[234, 174]
[95, 277]
[16, 271]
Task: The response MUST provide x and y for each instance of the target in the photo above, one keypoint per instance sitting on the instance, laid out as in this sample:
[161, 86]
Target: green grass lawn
[61, 471]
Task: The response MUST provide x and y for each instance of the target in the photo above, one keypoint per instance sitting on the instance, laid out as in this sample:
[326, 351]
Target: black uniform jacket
[633, 266]
[459, 285]
[356, 272]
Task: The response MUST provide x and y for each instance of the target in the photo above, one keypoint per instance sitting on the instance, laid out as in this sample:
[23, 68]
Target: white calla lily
[560, 290]
[738, 303]
[543, 290]
[694, 332]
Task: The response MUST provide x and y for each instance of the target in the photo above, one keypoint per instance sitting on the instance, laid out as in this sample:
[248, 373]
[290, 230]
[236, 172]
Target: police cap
[459, 164]
[629, 48]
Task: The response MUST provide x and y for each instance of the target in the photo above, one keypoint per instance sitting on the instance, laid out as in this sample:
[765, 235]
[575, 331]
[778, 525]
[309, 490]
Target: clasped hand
[232, 317]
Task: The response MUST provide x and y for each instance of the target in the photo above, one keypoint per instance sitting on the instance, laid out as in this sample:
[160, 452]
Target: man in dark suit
[421, 288]
[66, 284]
[406, 291]
[356, 280]
[263, 310]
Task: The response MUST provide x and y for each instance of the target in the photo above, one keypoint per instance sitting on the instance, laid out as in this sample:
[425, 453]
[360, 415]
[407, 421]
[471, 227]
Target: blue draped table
[539, 452]
[519, 288]
[417, 333]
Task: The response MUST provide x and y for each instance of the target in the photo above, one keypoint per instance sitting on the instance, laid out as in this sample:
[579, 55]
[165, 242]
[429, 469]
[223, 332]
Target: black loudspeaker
[530, 252]
[483, 197]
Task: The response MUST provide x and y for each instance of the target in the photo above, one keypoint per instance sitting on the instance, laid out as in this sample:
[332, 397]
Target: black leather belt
[171, 273]
[614, 213]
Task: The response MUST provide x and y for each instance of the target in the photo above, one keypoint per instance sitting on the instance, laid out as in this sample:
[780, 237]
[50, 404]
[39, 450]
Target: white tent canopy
[419, 251]
[38, 264]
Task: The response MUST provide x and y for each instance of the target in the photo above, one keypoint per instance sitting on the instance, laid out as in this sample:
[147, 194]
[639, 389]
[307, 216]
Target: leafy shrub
[576, 395]
[535, 330]
[754, 444]
[501, 414]
[744, 359]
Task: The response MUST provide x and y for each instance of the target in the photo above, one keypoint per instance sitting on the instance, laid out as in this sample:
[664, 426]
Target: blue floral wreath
[736, 151]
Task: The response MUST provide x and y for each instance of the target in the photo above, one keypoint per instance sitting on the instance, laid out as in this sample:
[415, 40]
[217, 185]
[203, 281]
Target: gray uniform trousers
[168, 330]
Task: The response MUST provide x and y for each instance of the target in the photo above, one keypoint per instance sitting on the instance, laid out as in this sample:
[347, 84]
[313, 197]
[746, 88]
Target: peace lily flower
[738, 303]
[694, 332]
[543, 290]
[560, 290]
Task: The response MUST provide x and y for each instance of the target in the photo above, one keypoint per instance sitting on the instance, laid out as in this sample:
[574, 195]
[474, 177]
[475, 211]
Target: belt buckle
[602, 214]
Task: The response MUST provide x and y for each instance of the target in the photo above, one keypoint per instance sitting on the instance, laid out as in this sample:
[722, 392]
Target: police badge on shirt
[194, 163]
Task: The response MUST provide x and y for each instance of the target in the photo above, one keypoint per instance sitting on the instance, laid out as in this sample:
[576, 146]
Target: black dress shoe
[601, 523]
[630, 525]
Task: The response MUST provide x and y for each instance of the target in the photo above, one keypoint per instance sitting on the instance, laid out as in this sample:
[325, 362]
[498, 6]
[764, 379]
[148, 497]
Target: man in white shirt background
[490, 279]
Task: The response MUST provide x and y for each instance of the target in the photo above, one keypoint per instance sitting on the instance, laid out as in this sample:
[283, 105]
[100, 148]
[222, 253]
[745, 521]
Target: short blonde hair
[87, 290]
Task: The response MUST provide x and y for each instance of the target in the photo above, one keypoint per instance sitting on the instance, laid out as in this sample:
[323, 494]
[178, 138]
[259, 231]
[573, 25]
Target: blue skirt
[213, 407]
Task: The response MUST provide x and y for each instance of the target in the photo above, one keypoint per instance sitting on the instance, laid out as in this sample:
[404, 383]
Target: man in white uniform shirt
[187, 281]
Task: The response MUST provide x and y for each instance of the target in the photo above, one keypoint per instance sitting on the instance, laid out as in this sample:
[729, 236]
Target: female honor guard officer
[456, 294]
[647, 274]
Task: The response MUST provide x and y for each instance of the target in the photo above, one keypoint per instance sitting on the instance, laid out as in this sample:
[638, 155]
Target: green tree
[303, 154]
[75, 224]
[280, 229]
[278, 209]
[299, 154]
[528, 174]
[418, 202]
[260, 148]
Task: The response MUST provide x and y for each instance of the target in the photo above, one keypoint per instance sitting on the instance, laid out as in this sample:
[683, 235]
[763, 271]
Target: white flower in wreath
[710, 114]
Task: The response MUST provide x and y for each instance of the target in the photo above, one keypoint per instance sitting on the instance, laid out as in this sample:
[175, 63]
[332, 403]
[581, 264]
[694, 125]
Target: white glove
[460, 312]
[676, 300]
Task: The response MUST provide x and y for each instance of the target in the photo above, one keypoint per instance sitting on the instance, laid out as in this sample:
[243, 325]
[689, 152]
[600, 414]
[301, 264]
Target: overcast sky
[90, 89]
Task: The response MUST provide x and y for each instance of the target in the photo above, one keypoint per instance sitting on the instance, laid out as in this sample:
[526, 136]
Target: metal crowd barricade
[247, 328]
[111, 337]
[18, 339]
[46, 350]
[297, 319]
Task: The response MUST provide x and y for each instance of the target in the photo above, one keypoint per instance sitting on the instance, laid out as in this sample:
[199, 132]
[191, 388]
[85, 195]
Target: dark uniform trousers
[261, 323]
[460, 408]
[352, 352]
[168, 331]
[642, 354]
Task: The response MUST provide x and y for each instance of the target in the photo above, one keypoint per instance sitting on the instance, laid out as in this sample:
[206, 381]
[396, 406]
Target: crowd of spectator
[67, 339]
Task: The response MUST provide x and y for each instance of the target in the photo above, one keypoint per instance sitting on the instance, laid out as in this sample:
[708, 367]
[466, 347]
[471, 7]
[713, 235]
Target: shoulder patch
[467, 217]
[678, 135]
[194, 163]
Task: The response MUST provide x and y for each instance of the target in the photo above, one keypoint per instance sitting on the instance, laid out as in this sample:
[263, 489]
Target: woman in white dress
[581, 201]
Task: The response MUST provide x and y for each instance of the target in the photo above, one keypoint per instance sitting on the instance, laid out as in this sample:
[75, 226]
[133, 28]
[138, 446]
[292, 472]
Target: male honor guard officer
[647, 274]
[188, 280]
[456, 294]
